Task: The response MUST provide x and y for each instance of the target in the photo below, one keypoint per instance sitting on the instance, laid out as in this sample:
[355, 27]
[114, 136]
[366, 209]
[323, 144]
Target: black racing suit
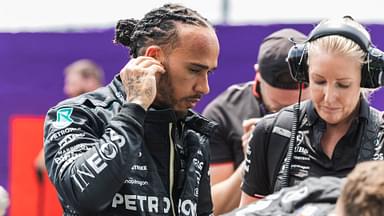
[107, 156]
[311, 197]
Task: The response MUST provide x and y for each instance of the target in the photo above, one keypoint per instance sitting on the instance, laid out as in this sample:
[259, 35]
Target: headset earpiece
[297, 62]
[372, 71]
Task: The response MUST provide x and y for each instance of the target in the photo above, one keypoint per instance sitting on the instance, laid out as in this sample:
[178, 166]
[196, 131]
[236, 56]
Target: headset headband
[343, 30]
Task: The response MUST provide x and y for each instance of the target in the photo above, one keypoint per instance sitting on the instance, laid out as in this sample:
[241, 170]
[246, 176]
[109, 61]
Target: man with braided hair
[135, 147]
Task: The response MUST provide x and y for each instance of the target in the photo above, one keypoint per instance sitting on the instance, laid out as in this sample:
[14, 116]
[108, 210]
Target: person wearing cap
[241, 105]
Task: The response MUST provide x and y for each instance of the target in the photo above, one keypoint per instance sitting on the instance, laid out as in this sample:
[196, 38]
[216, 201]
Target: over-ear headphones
[372, 71]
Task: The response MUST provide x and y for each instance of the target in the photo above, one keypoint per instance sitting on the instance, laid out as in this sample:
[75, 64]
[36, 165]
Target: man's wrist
[140, 103]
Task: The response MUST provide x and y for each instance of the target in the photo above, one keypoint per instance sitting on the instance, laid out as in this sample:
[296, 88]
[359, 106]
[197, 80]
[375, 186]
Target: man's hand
[139, 78]
[248, 126]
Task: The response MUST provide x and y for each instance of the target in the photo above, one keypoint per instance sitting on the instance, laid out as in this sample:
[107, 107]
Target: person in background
[81, 76]
[336, 127]
[363, 192]
[135, 146]
[238, 108]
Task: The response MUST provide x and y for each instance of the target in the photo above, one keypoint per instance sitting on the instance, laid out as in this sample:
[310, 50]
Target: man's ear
[155, 52]
[256, 67]
[257, 74]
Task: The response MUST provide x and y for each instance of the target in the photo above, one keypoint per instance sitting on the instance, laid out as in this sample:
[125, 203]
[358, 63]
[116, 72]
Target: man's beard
[164, 97]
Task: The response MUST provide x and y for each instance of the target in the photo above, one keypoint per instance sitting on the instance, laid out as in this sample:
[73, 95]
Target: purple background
[31, 67]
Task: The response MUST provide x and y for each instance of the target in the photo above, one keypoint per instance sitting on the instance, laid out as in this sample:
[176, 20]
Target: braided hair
[157, 27]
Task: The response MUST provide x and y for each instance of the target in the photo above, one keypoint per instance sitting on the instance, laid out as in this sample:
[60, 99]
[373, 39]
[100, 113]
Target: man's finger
[156, 69]
[248, 123]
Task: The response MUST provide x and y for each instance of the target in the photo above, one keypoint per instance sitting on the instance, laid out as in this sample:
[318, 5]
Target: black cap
[272, 58]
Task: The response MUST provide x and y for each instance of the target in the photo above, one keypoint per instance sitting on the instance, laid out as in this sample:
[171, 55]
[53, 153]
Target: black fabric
[229, 109]
[107, 156]
[279, 142]
[309, 159]
[256, 165]
[311, 197]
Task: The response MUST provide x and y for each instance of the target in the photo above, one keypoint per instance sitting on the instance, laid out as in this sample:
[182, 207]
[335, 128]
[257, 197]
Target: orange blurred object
[29, 194]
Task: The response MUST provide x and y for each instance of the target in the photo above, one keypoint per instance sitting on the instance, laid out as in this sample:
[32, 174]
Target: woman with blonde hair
[336, 128]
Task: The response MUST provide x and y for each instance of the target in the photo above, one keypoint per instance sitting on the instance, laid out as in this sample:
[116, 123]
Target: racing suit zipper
[171, 168]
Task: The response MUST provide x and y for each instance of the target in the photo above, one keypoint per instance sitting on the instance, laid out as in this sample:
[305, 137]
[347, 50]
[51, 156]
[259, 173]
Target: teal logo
[63, 118]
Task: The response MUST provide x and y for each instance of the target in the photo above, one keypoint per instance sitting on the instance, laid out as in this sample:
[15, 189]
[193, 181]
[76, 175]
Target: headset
[372, 75]
[371, 72]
